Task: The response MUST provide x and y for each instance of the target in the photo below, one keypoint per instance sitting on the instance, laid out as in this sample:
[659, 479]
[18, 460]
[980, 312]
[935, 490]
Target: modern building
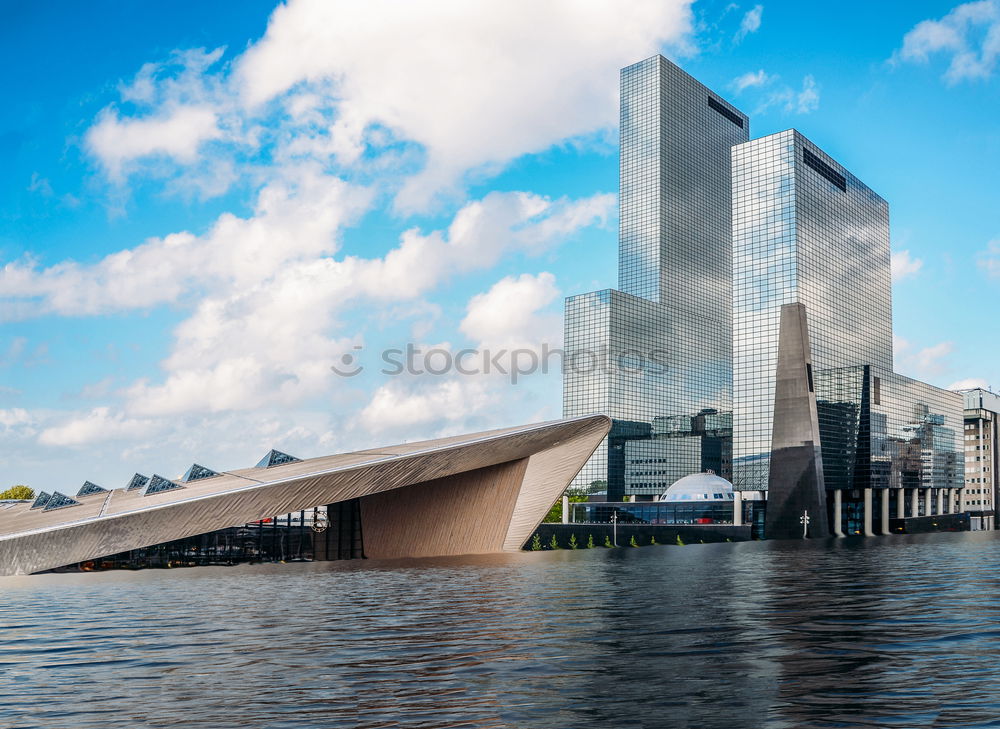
[724, 244]
[979, 497]
[808, 232]
[655, 353]
[478, 493]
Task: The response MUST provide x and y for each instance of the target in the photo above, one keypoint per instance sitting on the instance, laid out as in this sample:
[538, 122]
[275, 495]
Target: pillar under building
[867, 528]
[838, 499]
[885, 511]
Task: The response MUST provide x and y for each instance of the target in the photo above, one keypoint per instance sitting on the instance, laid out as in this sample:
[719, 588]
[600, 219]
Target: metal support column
[737, 508]
[868, 514]
[838, 497]
[900, 503]
[885, 511]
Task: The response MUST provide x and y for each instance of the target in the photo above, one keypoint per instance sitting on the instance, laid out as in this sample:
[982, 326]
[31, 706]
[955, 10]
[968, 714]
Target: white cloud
[100, 424]
[801, 101]
[927, 363]
[508, 315]
[272, 342]
[969, 34]
[751, 79]
[807, 99]
[989, 260]
[467, 86]
[14, 417]
[291, 221]
[433, 406]
[904, 265]
[175, 132]
[969, 384]
[750, 23]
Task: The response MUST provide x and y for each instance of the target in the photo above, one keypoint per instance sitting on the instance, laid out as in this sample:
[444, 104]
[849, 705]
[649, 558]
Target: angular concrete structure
[470, 494]
[795, 484]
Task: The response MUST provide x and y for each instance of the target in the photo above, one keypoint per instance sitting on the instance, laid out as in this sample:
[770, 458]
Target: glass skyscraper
[656, 354]
[805, 230]
[717, 235]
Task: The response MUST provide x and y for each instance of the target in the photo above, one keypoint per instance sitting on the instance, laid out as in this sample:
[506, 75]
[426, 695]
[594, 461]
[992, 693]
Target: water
[891, 632]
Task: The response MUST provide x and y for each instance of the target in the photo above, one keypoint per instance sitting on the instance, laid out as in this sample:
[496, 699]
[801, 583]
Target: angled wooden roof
[118, 520]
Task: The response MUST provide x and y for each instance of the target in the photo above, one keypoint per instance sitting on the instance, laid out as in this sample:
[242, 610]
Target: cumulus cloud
[969, 384]
[271, 342]
[750, 23]
[923, 363]
[338, 107]
[509, 314]
[342, 82]
[99, 424]
[291, 221]
[904, 265]
[969, 36]
[178, 107]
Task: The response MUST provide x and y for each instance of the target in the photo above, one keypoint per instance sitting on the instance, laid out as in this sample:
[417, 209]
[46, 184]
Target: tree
[18, 492]
[555, 513]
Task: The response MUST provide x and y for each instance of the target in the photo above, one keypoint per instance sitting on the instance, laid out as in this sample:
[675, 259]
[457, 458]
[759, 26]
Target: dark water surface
[885, 632]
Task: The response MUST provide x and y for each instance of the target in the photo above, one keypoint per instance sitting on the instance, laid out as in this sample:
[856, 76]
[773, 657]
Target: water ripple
[897, 632]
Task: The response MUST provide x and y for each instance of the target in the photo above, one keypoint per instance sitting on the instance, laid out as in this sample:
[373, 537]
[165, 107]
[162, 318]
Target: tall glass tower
[656, 353]
[805, 230]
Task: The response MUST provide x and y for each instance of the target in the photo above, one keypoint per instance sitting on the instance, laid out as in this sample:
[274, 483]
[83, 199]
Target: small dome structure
[699, 487]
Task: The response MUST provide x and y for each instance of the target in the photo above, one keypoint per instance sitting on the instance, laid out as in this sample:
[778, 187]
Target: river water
[887, 632]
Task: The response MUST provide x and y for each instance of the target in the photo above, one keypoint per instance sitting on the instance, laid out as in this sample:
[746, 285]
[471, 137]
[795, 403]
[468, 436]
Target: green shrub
[18, 492]
[553, 543]
[536, 542]
[607, 541]
[590, 541]
[632, 542]
[572, 541]
[680, 542]
[652, 540]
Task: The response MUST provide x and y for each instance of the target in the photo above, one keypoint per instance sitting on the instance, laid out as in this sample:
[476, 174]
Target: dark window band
[824, 169]
[734, 118]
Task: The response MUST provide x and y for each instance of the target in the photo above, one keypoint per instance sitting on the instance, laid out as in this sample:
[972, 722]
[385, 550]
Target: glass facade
[880, 430]
[799, 236]
[694, 512]
[659, 348]
[287, 538]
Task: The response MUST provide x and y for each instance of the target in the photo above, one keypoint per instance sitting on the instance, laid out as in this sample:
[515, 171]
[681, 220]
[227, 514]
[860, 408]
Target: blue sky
[206, 205]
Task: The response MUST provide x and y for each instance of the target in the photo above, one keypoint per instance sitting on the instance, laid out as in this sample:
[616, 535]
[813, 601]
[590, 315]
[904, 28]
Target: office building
[979, 497]
[807, 232]
[656, 352]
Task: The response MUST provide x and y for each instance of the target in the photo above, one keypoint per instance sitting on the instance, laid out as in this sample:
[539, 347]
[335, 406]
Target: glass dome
[699, 487]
